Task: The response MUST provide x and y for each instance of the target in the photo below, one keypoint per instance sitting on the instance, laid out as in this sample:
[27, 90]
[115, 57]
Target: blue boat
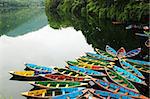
[118, 79]
[128, 75]
[110, 95]
[114, 88]
[40, 68]
[61, 93]
[111, 51]
[131, 69]
[100, 57]
[86, 71]
[138, 62]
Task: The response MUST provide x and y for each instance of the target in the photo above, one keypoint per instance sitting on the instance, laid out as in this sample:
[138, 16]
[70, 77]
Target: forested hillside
[120, 10]
[21, 3]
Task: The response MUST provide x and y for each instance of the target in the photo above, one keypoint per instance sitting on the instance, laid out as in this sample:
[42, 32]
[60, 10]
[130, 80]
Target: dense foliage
[95, 21]
[120, 10]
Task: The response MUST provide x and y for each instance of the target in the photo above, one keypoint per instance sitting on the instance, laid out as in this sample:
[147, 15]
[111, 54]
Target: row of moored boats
[93, 76]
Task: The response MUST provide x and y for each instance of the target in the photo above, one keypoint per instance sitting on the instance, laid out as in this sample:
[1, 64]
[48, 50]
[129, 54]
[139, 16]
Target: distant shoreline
[21, 7]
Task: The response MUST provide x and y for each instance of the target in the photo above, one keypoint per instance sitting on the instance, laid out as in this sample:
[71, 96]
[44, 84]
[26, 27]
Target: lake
[26, 36]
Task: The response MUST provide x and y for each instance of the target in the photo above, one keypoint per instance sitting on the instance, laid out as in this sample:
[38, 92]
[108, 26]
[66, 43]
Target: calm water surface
[26, 37]
[43, 46]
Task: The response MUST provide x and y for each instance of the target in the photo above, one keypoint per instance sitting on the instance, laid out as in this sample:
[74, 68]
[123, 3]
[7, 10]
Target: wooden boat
[62, 93]
[109, 95]
[100, 57]
[138, 62]
[89, 94]
[26, 75]
[86, 65]
[114, 88]
[128, 75]
[57, 84]
[147, 43]
[86, 71]
[141, 34]
[117, 22]
[121, 53]
[40, 68]
[111, 51]
[55, 77]
[131, 69]
[142, 68]
[133, 52]
[101, 52]
[91, 60]
[71, 73]
[118, 79]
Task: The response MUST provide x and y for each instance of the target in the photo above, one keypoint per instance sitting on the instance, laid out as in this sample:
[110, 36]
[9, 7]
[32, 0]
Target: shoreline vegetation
[94, 18]
[118, 11]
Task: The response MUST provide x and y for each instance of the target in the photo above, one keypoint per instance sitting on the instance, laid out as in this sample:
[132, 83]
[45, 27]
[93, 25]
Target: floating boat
[133, 52]
[109, 95]
[69, 72]
[40, 68]
[86, 71]
[117, 22]
[128, 75]
[57, 84]
[27, 75]
[91, 60]
[138, 62]
[142, 68]
[121, 53]
[147, 43]
[114, 88]
[131, 69]
[55, 77]
[101, 52]
[141, 34]
[118, 79]
[86, 65]
[100, 57]
[111, 51]
[89, 94]
[62, 93]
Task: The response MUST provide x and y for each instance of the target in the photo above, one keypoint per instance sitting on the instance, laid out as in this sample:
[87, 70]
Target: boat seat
[48, 85]
[116, 90]
[67, 85]
[70, 73]
[57, 85]
[43, 94]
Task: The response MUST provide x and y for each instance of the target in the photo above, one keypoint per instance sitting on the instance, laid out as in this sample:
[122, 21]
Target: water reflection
[97, 32]
[44, 47]
[15, 22]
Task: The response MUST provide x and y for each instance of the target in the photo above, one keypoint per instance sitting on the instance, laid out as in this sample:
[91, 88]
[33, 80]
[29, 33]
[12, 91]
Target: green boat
[57, 84]
[118, 79]
[138, 62]
[91, 60]
[86, 65]
[101, 52]
[131, 69]
[70, 73]
[142, 68]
